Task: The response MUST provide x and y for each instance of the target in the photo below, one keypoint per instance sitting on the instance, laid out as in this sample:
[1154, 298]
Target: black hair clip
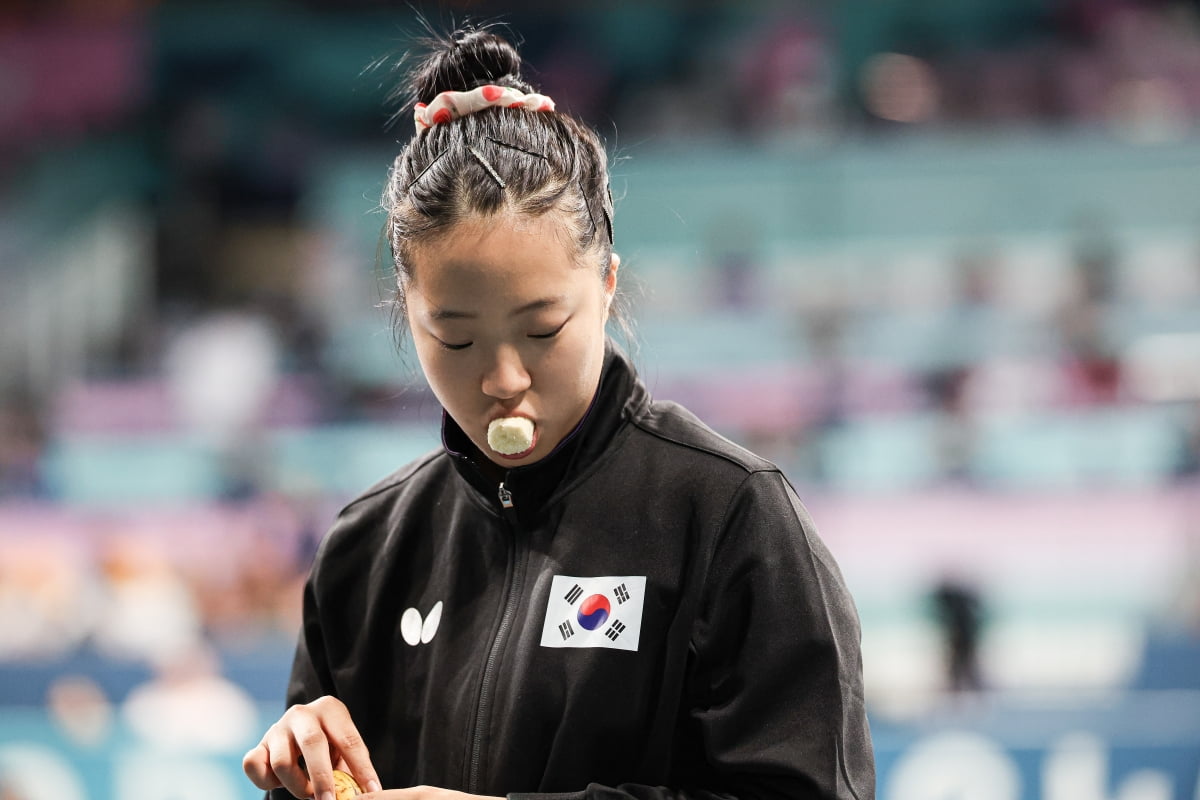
[587, 204]
[518, 147]
[428, 167]
[592, 217]
[607, 215]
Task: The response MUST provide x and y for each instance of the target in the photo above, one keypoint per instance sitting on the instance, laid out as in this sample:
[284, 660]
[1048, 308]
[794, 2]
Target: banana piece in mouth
[510, 435]
[345, 787]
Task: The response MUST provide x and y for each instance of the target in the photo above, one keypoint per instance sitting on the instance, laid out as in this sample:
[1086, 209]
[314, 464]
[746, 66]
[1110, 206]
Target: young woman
[584, 593]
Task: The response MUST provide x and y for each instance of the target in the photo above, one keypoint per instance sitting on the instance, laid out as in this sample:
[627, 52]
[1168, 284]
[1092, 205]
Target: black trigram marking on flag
[566, 630]
[622, 594]
[615, 630]
[574, 594]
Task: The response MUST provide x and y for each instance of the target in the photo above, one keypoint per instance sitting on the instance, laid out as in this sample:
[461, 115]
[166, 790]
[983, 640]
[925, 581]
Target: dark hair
[497, 159]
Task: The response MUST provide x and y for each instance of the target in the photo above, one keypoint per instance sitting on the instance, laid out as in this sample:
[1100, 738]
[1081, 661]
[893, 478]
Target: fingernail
[327, 796]
[374, 786]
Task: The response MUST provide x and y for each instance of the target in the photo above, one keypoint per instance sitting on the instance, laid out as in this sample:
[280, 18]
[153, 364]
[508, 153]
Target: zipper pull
[505, 497]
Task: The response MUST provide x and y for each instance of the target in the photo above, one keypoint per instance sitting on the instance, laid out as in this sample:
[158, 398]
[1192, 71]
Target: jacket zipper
[515, 590]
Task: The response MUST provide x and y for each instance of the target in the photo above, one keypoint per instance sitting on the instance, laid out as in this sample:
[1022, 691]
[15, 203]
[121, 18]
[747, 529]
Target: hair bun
[470, 57]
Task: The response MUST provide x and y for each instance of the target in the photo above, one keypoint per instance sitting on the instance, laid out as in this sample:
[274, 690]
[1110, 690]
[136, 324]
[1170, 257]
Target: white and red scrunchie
[448, 106]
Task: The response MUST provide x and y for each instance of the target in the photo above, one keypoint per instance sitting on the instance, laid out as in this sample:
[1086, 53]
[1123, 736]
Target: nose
[506, 377]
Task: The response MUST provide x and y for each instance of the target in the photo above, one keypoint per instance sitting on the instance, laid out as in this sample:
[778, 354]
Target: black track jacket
[653, 616]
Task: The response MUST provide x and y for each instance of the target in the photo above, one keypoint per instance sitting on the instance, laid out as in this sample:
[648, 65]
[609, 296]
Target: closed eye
[549, 335]
[448, 346]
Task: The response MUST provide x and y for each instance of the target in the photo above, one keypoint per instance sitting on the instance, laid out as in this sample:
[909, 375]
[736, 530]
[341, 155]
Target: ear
[610, 282]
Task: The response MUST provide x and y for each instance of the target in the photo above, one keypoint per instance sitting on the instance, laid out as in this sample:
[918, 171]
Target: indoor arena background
[938, 259]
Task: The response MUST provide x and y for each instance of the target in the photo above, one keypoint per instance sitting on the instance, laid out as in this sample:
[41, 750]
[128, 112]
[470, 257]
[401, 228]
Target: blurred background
[939, 259]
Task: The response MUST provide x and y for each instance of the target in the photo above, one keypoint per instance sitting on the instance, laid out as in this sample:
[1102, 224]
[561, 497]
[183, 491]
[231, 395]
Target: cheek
[444, 371]
[576, 367]
[427, 357]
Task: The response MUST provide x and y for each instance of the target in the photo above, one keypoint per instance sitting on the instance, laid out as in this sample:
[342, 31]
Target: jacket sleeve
[774, 691]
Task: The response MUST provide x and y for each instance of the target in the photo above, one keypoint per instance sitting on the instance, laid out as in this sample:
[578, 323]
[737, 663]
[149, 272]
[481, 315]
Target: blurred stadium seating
[945, 271]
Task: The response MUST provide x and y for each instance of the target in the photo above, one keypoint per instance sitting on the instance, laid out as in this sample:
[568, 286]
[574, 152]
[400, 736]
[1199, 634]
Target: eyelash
[455, 347]
[549, 335]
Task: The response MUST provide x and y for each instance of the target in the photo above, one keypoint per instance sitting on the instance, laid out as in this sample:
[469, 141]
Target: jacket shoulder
[366, 523]
[359, 516]
[672, 423]
[380, 491]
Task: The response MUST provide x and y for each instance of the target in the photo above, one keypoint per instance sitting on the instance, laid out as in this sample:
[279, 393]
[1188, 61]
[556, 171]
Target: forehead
[497, 254]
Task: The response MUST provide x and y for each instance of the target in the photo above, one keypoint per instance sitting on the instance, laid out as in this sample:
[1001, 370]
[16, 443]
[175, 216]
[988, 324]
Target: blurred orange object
[345, 786]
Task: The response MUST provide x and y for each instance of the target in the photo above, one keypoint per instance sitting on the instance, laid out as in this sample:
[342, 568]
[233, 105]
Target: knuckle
[295, 712]
[261, 777]
[310, 737]
[351, 742]
[279, 761]
[325, 701]
[252, 759]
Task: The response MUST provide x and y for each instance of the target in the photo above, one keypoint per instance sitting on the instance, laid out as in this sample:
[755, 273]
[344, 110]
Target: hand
[425, 793]
[315, 737]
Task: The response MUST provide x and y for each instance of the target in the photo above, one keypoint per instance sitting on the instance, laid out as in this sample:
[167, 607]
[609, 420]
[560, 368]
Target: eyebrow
[537, 305]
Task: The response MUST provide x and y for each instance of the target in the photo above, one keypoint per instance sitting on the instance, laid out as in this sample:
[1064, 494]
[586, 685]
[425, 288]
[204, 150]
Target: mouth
[517, 456]
[512, 438]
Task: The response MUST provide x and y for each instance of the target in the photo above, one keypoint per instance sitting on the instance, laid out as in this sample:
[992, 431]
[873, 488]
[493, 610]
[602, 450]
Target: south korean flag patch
[595, 612]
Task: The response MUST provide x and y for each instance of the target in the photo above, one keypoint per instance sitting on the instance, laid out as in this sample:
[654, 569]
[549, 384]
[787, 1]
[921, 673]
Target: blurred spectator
[786, 79]
[47, 605]
[975, 270]
[256, 595]
[189, 203]
[959, 612]
[954, 444]
[80, 709]
[189, 706]
[22, 441]
[826, 334]
[148, 612]
[1092, 365]
[1096, 262]
[733, 239]
[222, 370]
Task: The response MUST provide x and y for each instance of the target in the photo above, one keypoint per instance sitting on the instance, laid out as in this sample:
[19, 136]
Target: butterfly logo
[417, 630]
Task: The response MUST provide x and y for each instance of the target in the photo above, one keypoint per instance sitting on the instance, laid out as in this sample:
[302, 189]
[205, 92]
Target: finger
[347, 742]
[314, 745]
[286, 761]
[257, 766]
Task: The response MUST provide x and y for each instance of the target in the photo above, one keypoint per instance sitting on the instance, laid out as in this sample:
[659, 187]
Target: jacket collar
[619, 395]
